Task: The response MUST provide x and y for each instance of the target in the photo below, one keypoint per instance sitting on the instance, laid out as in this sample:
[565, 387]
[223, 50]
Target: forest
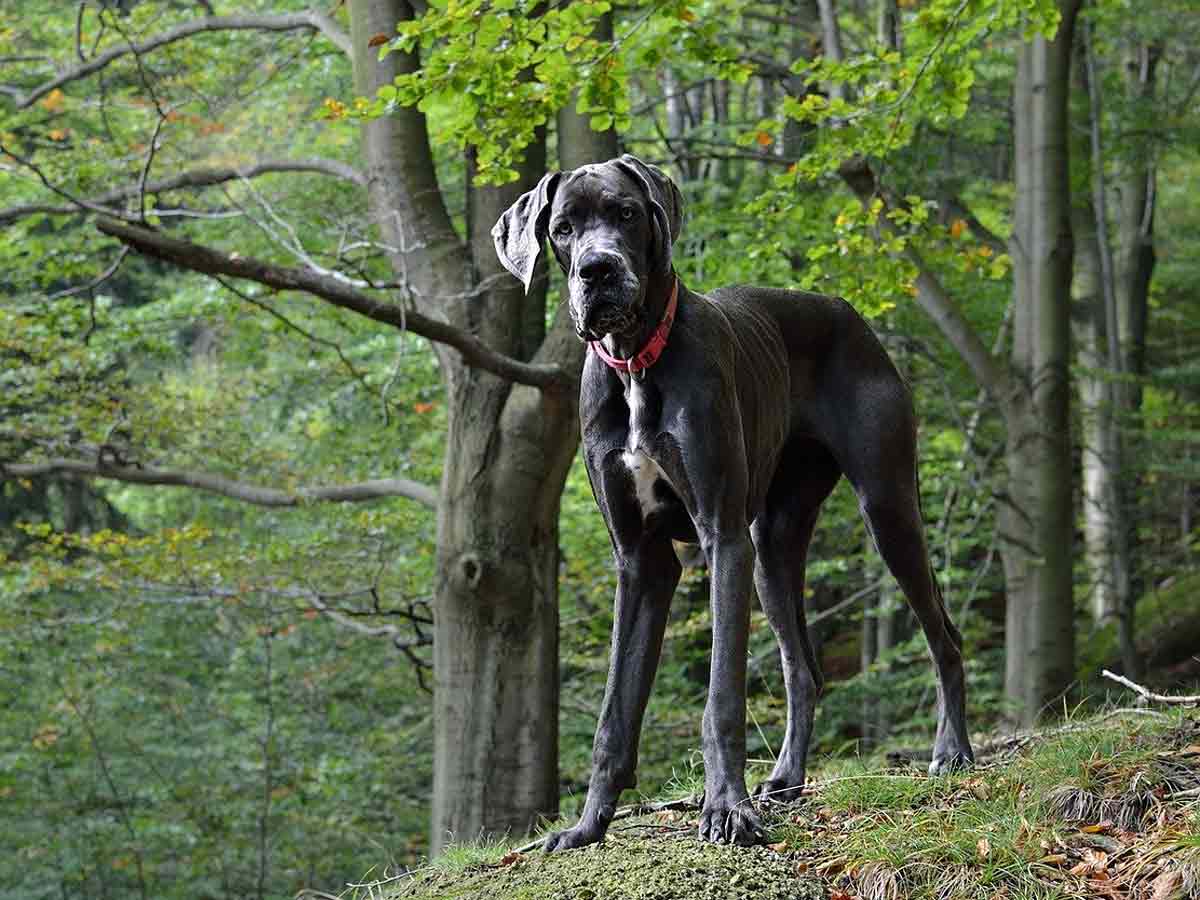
[302, 581]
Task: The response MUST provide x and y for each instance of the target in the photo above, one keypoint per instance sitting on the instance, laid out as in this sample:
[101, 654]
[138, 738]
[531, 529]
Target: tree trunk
[1105, 511]
[1036, 513]
[831, 41]
[496, 612]
[1105, 519]
[1134, 257]
[888, 25]
[508, 450]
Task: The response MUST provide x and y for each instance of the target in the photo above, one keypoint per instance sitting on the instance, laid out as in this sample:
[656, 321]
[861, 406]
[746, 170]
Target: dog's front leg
[728, 815]
[646, 578]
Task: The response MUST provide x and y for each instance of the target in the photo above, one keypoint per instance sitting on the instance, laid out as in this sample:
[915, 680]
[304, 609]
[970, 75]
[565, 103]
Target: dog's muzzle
[604, 295]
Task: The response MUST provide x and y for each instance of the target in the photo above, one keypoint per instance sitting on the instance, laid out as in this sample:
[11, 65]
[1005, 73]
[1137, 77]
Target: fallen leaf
[509, 858]
[1167, 886]
[983, 848]
[1053, 859]
[781, 847]
[377, 39]
[1093, 829]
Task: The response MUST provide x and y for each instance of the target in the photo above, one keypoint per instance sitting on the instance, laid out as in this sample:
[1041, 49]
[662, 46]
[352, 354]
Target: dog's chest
[650, 484]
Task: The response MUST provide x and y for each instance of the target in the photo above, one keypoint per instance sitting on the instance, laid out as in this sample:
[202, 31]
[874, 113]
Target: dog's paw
[947, 761]
[779, 790]
[570, 838]
[731, 821]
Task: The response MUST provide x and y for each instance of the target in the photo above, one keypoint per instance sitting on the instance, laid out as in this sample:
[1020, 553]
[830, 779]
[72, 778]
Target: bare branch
[336, 292]
[1193, 700]
[79, 203]
[288, 323]
[354, 492]
[95, 282]
[310, 20]
[194, 178]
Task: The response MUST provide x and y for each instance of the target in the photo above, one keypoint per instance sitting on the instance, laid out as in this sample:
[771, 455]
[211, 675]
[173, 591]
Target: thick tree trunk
[508, 450]
[496, 612]
[1036, 515]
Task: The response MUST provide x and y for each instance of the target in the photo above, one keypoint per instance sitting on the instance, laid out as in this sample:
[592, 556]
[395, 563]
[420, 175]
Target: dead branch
[194, 178]
[1193, 700]
[310, 20]
[355, 492]
[205, 260]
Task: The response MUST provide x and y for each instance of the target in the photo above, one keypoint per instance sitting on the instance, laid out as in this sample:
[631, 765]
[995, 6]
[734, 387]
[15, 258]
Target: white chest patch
[643, 422]
[645, 472]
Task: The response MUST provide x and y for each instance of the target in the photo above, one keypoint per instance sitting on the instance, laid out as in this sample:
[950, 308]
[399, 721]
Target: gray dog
[724, 419]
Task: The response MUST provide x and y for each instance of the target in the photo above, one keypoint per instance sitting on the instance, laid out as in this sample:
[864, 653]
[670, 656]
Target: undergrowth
[1108, 807]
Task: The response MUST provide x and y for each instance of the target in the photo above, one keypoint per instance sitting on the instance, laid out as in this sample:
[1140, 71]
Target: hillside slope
[1108, 807]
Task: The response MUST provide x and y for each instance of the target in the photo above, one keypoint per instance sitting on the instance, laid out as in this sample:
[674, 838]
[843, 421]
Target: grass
[1108, 807]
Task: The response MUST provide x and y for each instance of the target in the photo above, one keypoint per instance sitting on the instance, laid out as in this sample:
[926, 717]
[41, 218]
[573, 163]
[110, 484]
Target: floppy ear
[520, 233]
[666, 203]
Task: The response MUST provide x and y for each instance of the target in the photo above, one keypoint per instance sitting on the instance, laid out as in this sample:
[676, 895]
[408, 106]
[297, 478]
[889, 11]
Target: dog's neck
[625, 344]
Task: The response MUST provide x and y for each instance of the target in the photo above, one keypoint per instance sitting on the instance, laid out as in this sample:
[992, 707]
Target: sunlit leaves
[494, 71]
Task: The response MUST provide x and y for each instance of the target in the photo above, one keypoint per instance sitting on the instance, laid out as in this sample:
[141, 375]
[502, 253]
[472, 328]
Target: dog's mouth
[607, 317]
[609, 308]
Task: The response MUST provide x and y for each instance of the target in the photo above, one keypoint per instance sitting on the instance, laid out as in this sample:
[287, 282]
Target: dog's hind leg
[889, 499]
[781, 535]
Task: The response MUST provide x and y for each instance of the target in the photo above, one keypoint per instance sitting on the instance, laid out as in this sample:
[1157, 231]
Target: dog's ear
[520, 233]
[666, 203]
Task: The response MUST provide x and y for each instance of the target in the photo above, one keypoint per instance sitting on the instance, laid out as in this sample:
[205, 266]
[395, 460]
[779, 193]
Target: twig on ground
[1193, 700]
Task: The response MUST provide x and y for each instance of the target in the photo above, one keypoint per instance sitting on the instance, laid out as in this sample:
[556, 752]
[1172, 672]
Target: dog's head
[611, 226]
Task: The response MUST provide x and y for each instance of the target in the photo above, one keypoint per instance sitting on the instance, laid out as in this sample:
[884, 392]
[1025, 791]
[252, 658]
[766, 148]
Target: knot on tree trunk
[468, 571]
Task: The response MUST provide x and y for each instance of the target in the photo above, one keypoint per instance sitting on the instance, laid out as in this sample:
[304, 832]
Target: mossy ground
[1105, 808]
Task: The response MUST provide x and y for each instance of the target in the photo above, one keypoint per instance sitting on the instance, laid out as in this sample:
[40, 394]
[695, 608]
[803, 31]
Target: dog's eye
[562, 228]
[627, 213]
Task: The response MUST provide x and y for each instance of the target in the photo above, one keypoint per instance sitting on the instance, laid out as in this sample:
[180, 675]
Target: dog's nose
[597, 267]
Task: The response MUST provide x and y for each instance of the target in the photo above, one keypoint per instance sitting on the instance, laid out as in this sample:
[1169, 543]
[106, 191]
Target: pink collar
[649, 354]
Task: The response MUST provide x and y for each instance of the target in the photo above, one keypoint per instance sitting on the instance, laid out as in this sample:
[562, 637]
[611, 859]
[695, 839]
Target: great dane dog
[724, 419]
